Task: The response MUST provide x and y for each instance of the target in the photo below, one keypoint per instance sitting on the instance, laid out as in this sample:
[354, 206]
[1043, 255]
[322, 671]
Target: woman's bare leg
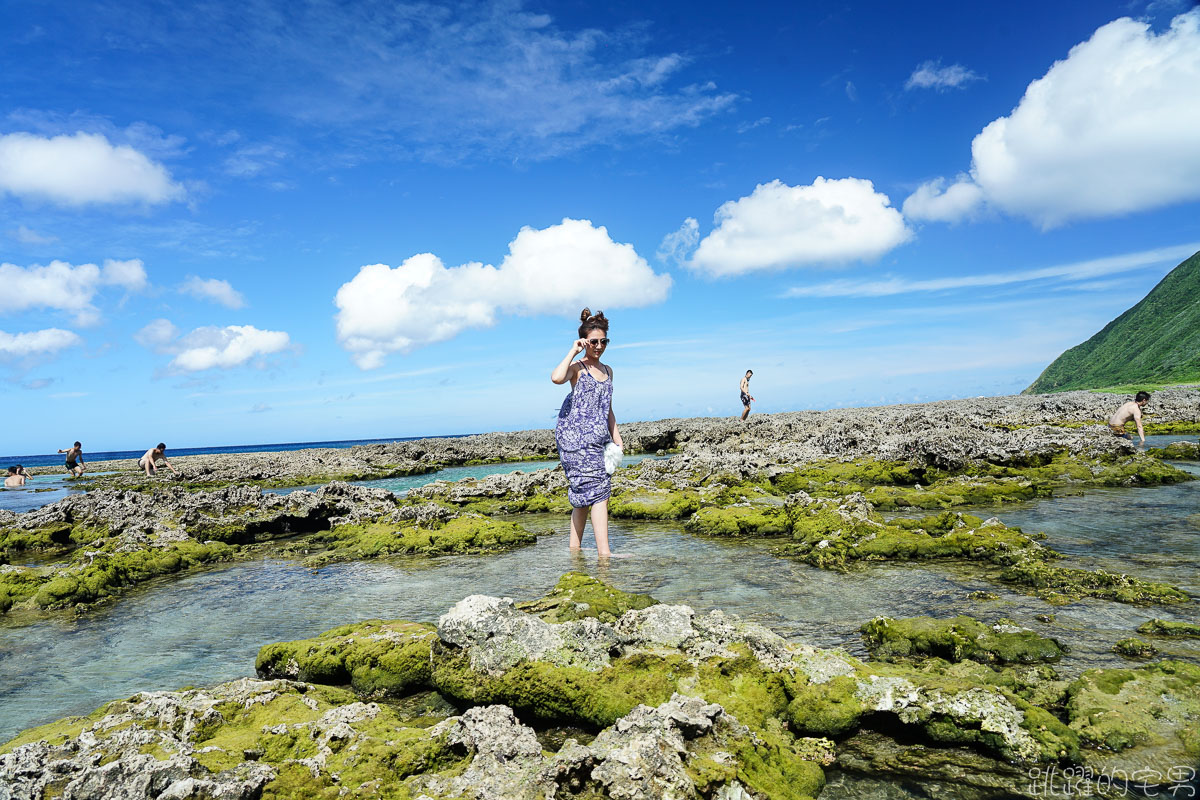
[578, 520]
[600, 527]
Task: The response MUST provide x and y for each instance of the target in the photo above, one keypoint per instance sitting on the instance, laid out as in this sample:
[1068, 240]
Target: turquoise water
[207, 627]
[38, 491]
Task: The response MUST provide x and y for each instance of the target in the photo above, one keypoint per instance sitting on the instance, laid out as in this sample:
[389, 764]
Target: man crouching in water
[1130, 411]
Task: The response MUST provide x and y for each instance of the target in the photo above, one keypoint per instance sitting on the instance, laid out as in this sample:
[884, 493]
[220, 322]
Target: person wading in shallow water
[586, 423]
[745, 393]
[1130, 411]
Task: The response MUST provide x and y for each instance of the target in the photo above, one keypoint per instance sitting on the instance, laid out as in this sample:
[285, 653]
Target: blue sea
[56, 459]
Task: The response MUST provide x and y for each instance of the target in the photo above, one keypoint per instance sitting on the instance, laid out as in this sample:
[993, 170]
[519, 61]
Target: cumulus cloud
[1111, 129]
[554, 270]
[678, 245]
[218, 291]
[44, 342]
[932, 75]
[80, 170]
[212, 346]
[62, 286]
[778, 226]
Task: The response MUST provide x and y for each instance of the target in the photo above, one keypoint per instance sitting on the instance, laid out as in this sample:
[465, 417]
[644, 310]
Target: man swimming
[74, 462]
[15, 478]
[1130, 411]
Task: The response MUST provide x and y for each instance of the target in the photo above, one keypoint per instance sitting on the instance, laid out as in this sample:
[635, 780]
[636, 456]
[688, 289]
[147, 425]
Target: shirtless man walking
[74, 459]
[1130, 411]
[149, 461]
[745, 390]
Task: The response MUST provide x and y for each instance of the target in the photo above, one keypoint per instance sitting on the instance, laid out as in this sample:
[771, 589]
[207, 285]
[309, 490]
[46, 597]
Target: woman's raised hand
[579, 346]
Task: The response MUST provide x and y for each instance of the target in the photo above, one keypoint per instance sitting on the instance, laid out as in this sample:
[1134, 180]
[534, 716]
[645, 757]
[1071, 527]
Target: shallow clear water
[207, 627]
[38, 491]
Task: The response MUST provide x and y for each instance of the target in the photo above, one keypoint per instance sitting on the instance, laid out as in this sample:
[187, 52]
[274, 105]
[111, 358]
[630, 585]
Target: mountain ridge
[1156, 341]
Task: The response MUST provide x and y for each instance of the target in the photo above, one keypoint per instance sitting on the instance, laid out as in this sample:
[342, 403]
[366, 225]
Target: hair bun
[585, 315]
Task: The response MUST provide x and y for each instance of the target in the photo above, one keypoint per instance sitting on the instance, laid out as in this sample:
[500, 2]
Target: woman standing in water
[585, 425]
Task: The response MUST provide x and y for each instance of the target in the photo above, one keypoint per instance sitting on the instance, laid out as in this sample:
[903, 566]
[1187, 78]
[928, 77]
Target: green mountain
[1157, 341]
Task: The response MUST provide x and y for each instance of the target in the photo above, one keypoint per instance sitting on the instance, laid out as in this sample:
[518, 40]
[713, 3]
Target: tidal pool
[207, 627]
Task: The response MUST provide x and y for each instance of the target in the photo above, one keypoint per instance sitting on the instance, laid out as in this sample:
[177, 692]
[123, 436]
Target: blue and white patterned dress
[581, 434]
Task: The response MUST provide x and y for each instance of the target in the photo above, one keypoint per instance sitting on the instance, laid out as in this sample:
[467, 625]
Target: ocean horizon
[51, 459]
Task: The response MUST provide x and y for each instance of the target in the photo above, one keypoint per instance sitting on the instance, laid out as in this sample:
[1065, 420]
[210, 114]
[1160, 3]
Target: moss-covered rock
[463, 534]
[1134, 647]
[956, 639]
[1176, 451]
[1138, 720]
[654, 503]
[56, 536]
[375, 658]
[1162, 627]
[101, 574]
[1065, 584]
[578, 595]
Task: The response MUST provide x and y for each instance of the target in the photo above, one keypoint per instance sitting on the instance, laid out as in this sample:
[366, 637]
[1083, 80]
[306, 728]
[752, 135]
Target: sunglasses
[598, 342]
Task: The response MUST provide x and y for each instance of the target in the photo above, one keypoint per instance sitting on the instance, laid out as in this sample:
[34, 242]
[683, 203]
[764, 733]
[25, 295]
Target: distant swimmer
[15, 478]
[149, 461]
[745, 390]
[74, 459]
[1130, 411]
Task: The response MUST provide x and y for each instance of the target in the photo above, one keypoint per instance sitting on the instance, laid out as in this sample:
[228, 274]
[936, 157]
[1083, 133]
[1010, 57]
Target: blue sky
[260, 222]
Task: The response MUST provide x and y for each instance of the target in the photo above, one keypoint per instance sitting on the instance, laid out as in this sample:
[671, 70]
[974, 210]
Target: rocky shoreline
[930, 432]
[593, 692]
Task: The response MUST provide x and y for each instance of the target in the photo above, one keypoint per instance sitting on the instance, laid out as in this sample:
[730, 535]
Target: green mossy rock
[578, 596]
[1064, 584]
[1161, 627]
[102, 575]
[57, 537]
[1135, 648]
[1176, 451]
[375, 658]
[740, 520]
[464, 534]
[957, 639]
[1138, 719]
[653, 504]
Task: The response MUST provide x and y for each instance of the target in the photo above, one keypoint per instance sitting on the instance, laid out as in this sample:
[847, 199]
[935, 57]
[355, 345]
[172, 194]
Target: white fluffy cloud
[65, 287]
[44, 342]
[1113, 128]
[81, 169]
[932, 75]
[779, 226]
[231, 346]
[218, 291]
[556, 270]
[212, 346]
